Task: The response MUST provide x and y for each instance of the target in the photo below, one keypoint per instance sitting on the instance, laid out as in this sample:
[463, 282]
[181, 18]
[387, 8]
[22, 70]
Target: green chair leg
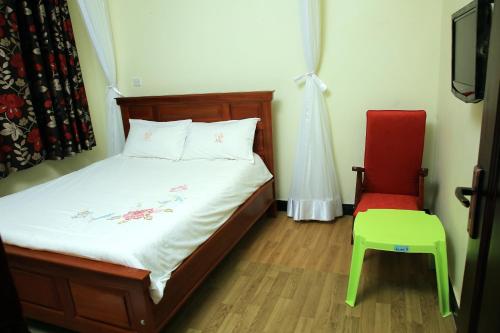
[358, 253]
[442, 279]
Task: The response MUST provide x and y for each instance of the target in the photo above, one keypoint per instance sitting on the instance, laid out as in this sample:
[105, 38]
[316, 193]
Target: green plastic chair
[407, 231]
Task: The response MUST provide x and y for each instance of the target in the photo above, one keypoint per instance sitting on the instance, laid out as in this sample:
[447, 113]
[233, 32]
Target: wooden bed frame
[93, 296]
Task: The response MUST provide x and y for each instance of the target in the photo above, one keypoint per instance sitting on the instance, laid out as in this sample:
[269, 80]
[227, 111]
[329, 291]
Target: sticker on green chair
[401, 248]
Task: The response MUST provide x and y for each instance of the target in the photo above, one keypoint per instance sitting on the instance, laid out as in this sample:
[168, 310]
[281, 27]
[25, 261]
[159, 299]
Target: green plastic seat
[407, 231]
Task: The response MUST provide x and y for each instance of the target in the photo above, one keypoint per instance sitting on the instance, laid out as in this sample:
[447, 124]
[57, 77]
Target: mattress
[138, 212]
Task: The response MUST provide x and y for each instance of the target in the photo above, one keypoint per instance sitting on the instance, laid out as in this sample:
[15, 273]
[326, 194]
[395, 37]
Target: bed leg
[272, 211]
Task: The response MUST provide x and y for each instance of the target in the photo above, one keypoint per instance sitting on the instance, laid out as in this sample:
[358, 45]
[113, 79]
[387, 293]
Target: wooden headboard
[208, 108]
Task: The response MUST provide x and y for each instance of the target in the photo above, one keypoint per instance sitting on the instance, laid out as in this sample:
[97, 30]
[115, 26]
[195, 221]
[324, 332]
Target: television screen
[465, 53]
[470, 26]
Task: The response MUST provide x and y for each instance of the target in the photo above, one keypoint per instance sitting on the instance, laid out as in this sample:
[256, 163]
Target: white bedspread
[138, 212]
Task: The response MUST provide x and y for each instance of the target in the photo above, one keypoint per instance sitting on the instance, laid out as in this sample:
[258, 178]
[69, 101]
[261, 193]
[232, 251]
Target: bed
[97, 296]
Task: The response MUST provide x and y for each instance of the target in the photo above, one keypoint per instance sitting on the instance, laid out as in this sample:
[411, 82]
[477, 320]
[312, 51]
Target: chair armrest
[359, 184]
[421, 175]
[423, 172]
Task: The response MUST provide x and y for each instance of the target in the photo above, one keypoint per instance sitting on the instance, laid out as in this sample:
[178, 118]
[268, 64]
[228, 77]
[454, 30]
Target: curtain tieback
[320, 84]
[115, 89]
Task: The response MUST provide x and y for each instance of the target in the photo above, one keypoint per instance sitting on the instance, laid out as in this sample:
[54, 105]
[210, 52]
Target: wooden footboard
[81, 294]
[94, 296]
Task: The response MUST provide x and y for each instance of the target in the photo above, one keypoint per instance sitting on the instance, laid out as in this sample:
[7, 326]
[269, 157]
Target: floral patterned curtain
[43, 106]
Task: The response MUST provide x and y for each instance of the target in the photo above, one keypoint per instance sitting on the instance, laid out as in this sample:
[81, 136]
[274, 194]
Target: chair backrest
[393, 151]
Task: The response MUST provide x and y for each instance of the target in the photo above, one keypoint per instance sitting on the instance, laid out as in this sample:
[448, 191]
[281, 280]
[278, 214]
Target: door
[479, 309]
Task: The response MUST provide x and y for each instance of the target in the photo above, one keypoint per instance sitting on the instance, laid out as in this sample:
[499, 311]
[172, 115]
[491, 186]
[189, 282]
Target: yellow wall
[95, 86]
[377, 54]
[457, 145]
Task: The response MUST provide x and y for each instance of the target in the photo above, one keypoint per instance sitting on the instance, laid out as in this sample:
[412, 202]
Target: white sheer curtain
[96, 16]
[314, 193]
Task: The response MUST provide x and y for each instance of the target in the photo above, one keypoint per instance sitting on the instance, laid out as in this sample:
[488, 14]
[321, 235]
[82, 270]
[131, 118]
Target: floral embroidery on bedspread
[219, 137]
[141, 214]
[137, 213]
[82, 214]
[179, 188]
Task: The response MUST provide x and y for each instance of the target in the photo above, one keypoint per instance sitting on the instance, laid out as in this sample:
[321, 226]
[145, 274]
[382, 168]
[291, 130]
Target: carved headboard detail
[208, 108]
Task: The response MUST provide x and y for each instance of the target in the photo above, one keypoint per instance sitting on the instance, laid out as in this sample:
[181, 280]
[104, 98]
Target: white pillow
[231, 139]
[156, 139]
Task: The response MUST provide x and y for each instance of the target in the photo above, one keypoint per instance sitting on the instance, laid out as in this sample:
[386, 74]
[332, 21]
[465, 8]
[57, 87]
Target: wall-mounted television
[470, 38]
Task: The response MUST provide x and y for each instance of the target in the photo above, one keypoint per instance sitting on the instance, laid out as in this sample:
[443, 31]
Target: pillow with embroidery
[156, 139]
[231, 139]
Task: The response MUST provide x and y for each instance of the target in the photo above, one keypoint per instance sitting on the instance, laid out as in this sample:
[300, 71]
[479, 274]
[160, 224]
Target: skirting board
[453, 302]
[347, 208]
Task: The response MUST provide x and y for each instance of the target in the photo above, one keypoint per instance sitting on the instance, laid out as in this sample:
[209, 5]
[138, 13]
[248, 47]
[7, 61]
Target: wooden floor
[292, 277]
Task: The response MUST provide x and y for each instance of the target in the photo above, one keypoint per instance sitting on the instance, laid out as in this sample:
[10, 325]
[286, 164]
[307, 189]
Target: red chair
[393, 176]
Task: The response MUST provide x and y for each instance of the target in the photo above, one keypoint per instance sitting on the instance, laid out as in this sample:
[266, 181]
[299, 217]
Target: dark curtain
[43, 106]
[20, 143]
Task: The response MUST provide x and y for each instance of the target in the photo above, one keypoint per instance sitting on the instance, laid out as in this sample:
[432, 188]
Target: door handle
[461, 192]
[473, 192]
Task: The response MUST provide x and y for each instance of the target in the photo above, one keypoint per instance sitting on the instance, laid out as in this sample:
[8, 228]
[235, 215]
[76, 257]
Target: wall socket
[136, 82]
